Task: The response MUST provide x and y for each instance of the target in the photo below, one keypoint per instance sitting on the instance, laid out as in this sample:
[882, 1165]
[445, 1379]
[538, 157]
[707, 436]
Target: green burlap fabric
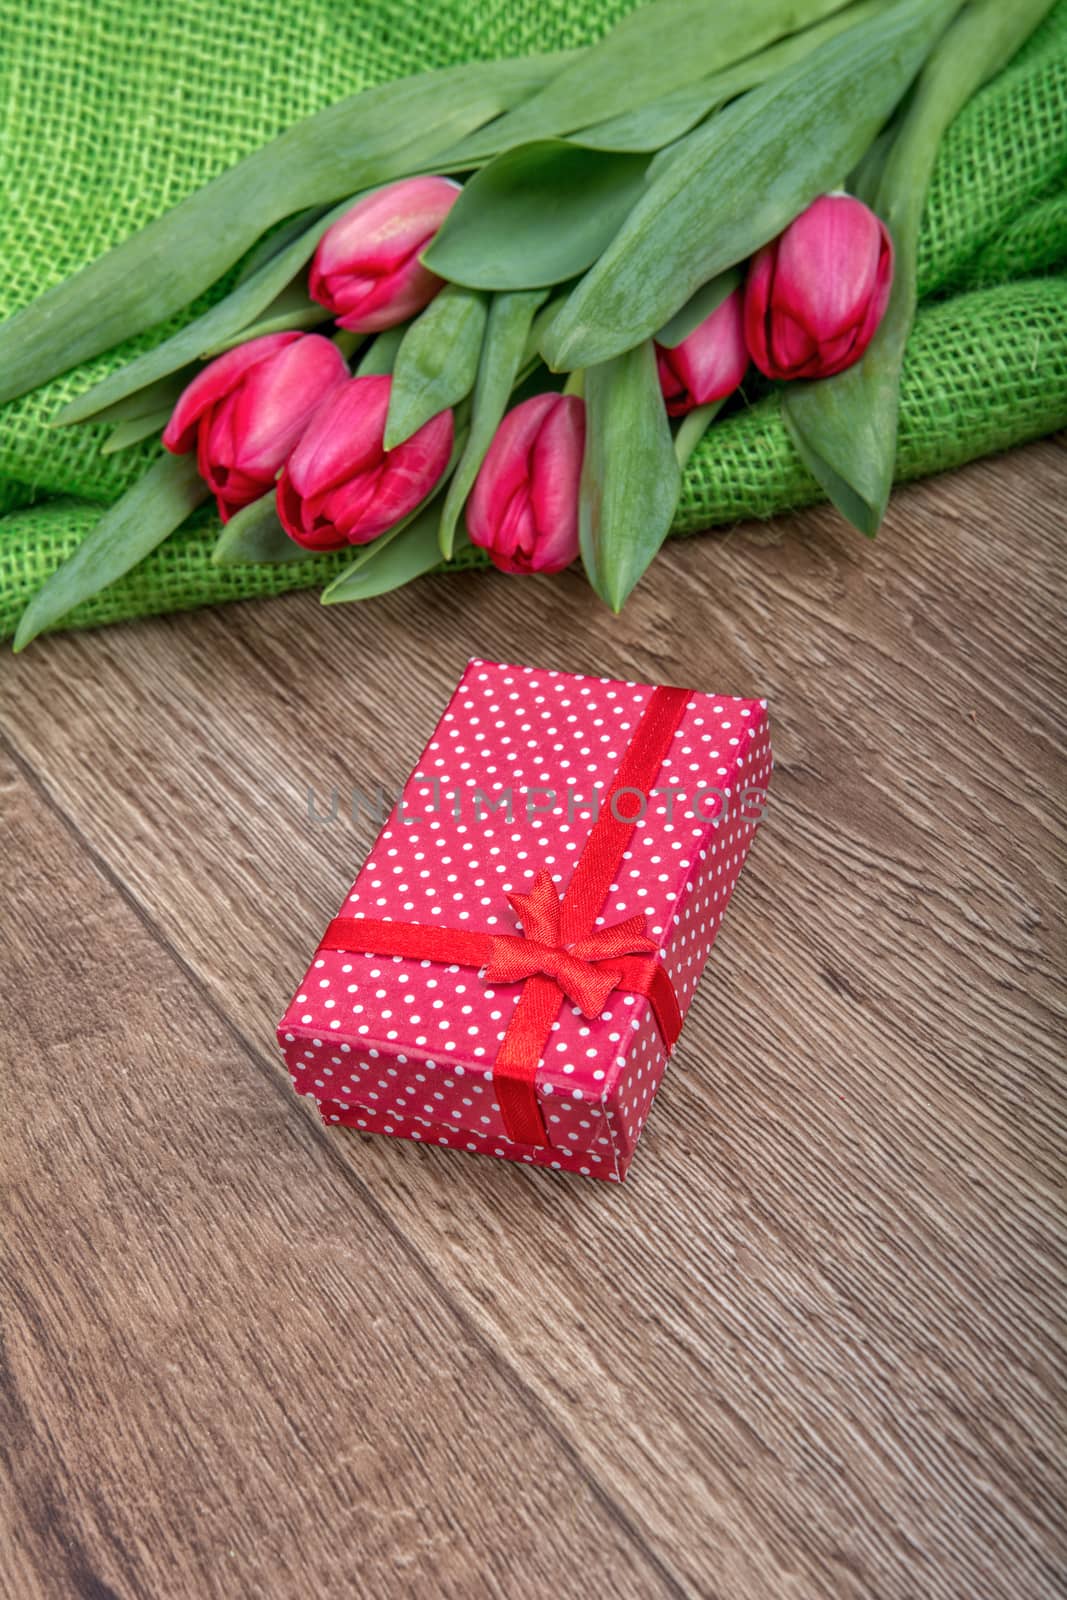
[113, 111]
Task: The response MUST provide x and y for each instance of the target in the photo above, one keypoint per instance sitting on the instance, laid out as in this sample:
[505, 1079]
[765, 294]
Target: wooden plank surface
[813, 1347]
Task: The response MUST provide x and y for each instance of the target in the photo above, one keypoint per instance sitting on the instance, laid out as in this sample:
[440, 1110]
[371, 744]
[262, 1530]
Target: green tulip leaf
[291, 311]
[630, 474]
[692, 428]
[437, 361]
[650, 127]
[536, 216]
[163, 395]
[503, 350]
[739, 179]
[133, 527]
[708, 298]
[539, 327]
[379, 358]
[402, 554]
[845, 427]
[352, 583]
[273, 243]
[254, 534]
[652, 52]
[125, 434]
[223, 324]
[369, 139]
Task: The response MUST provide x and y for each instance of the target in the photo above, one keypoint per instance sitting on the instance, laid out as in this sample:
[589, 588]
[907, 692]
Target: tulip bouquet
[499, 305]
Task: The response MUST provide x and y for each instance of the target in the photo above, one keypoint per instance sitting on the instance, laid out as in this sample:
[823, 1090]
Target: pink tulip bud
[524, 505]
[816, 294]
[709, 363]
[366, 270]
[341, 486]
[244, 413]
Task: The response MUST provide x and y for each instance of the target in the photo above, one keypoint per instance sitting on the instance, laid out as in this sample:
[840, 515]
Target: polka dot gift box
[510, 971]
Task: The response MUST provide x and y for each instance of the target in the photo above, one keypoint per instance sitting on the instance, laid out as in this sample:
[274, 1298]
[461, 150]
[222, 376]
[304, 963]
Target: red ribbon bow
[560, 952]
[579, 968]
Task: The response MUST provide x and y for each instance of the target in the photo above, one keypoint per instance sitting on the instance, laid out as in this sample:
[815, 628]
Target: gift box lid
[505, 790]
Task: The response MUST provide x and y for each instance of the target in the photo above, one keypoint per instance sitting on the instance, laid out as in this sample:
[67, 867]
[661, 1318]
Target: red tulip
[244, 413]
[366, 270]
[816, 294]
[709, 363]
[524, 506]
[340, 486]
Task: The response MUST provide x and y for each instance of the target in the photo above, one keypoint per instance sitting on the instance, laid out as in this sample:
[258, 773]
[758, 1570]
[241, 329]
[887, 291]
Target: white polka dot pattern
[406, 1047]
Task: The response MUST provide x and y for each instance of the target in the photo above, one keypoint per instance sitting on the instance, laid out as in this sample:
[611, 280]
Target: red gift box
[511, 968]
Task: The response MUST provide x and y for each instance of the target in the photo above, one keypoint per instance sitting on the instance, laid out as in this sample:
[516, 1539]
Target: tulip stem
[348, 342]
[575, 383]
[693, 428]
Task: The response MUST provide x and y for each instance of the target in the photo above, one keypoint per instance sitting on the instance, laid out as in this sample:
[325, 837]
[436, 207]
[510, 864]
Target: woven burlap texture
[144, 115]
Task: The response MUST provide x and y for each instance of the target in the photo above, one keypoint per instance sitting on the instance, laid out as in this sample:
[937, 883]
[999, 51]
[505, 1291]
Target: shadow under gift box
[406, 1047]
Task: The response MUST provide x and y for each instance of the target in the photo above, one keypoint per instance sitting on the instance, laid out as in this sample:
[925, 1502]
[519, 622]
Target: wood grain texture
[814, 1347]
[254, 1382]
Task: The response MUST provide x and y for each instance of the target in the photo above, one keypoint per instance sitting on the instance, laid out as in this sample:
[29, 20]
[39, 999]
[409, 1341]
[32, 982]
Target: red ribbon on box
[561, 954]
